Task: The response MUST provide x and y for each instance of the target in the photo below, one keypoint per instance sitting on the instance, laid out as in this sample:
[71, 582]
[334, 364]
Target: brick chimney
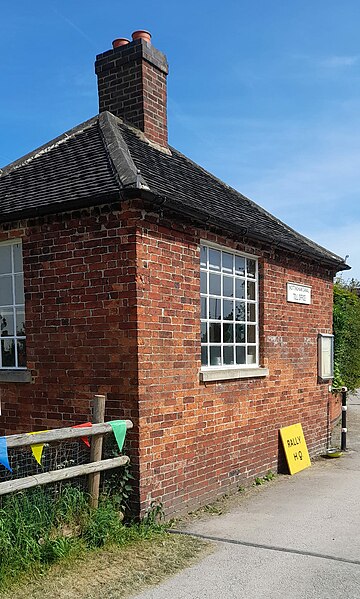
[132, 85]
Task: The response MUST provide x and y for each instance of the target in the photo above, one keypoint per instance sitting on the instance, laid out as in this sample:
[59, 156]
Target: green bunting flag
[119, 429]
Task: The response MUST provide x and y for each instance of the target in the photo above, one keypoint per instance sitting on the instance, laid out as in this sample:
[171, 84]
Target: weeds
[261, 480]
[269, 476]
[154, 515]
[42, 526]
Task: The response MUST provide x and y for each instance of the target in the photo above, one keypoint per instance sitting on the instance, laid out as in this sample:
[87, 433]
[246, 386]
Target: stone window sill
[15, 376]
[223, 374]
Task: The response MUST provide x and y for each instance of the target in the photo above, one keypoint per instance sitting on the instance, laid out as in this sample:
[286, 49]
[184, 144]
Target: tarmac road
[295, 538]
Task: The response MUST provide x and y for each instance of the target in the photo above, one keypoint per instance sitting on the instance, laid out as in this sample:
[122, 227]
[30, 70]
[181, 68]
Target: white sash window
[12, 307]
[229, 309]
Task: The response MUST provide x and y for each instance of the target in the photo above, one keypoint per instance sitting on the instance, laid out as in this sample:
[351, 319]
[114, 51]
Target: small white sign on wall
[299, 294]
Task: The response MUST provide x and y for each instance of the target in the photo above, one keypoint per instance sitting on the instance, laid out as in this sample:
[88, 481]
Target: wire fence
[89, 457]
[63, 454]
[54, 457]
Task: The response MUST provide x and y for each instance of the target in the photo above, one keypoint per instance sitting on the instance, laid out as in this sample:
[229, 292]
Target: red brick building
[128, 270]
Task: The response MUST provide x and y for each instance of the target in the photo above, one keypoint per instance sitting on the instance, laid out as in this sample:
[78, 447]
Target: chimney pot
[120, 41]
[141, 34]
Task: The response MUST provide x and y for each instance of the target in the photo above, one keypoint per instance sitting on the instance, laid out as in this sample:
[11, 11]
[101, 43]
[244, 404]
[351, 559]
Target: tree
[347, 334]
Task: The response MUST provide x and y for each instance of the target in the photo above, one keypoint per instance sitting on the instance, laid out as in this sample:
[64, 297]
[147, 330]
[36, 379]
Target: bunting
[37, 449]
[84, 425]
[119, 430]
[4, 458]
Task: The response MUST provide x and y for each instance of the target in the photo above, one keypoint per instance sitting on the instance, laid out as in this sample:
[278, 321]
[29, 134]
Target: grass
[48, 536]
[113, 572]
[41, 526]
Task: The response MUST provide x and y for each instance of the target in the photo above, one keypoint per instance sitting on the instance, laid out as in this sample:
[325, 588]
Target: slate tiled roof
[104, 157]
[72, 167]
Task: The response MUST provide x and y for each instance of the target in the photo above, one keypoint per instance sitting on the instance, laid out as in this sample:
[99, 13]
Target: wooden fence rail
[19, 484]
[96, 465]
[60, 434]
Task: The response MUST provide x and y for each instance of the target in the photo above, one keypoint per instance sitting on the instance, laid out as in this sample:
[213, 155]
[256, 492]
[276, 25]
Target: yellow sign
[297, 455]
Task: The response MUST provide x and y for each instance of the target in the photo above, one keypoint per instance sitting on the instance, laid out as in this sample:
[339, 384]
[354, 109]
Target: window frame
[243, 369]
[15, 308]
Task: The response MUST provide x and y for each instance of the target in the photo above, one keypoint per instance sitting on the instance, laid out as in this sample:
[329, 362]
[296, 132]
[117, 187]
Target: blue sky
[263, 93]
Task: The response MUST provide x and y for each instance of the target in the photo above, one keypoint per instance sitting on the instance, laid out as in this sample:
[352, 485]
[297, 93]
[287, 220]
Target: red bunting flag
[85, 425]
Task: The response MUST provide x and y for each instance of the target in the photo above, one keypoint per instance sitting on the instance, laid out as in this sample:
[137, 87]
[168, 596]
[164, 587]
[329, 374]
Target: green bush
[347, 336]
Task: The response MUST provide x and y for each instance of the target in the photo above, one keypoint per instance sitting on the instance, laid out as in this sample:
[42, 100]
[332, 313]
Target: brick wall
[200, 440]
[80, 320]
[112, 306]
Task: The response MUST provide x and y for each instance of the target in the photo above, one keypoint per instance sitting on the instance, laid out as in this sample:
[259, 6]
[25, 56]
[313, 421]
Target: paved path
[298, 537]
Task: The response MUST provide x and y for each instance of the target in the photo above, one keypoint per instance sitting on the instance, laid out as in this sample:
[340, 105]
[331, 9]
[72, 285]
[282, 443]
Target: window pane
[240, 333]
[228, 355]
[251, 268]
[203, 332]
[8, 353]
[228, 310]
[215, 355]
[18, 261]
[251, 312]
[21, 348]
[203, 256]
[6, 322]
[251, 290]
[204, 356]
[19, 289]
[5, 259]
[215, 309]
[6, 295]
[240, 311]
[228, 333]
[228, 286]
[203, 302]
[214, 259]
[20, 322]
[227, 262]
[240, 355]
[215, 332]
[203, 282]
[251, 355]
[240, 265]
[240, 288]
[214, 284]
[251, 334]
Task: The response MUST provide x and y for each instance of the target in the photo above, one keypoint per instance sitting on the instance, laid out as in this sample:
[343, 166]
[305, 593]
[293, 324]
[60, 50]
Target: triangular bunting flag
[4, 459]
[37, 449]
[85, 425]
[119, 429]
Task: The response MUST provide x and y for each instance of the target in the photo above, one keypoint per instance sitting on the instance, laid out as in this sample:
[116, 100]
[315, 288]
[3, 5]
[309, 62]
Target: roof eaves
[60, 207]
[119, 154]
[332, 261]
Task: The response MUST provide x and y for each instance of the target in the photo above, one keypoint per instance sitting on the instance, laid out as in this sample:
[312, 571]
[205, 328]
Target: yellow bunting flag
[37, 449]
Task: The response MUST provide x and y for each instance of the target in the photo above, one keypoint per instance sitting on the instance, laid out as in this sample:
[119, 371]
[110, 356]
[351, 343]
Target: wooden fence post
[96, 449]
